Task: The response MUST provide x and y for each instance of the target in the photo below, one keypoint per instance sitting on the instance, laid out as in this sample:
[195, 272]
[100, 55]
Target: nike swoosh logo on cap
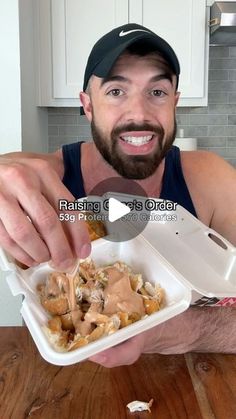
[123, 33]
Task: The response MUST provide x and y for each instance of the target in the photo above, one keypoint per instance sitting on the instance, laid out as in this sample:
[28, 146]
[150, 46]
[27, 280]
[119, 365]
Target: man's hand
[30, 229]
[206, 329]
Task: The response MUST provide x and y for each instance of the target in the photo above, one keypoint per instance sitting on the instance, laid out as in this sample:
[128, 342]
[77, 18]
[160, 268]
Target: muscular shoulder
[212, 185]
[205, 166]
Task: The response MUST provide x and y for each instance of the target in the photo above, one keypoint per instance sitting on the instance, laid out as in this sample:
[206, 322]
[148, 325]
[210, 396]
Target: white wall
[10, 97]
[9, 305]
[10, 124]
[23, 125]
[34, 119]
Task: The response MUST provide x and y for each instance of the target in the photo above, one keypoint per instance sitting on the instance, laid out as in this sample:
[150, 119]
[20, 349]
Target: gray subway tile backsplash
[225, 64]
[182, 119]
[68, 130]
[232, 120]
[211, 142]
[222, 86]
[214, 126]
[208, 119]
[222, 109]
[218, 97]
[220, 52]
[227, 153]
[54, 119]
[52, 130]
[232, 74]
[196, 110]
[216, 131]
[219, 75]
[231, 142]
[195, 131]
[232, 98]
[232, 51]
[230, 131]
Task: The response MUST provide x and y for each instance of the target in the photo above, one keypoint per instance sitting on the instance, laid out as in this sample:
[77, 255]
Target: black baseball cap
[108, 48]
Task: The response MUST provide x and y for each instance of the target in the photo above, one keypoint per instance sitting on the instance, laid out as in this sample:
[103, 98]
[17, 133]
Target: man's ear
[177, 95]
[87, 105]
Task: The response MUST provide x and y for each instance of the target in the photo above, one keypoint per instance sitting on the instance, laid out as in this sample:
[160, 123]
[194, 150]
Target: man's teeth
[137, 140]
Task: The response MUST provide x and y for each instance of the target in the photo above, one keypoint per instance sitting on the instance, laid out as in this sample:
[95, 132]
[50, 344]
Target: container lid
[206, 260]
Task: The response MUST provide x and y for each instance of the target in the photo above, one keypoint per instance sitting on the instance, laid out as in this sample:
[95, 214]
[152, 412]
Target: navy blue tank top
[174, 187]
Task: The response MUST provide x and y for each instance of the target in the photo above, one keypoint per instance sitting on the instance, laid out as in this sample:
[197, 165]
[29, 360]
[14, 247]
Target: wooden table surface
[192, 386]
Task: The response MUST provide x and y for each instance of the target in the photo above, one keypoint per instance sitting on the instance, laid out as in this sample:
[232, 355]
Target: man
[130, 95]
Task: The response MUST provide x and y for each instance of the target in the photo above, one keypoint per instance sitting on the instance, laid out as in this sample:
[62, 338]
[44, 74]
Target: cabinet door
[182, 23]
[76, 26]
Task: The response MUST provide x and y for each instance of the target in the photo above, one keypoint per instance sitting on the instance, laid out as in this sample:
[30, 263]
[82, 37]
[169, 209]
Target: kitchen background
[214, 126]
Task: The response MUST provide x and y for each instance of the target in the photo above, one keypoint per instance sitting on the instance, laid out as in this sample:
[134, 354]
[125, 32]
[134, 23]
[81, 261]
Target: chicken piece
[151, 305]
[87, 269]
[77, 343]
[56, 305]
[96, 229]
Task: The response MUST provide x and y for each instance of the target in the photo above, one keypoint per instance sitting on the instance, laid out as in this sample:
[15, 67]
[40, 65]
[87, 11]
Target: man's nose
[138, 109]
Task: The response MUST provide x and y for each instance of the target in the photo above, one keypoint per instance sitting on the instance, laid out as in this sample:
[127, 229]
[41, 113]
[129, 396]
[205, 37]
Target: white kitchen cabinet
[183, 24]
[67, 29]
[66, 32]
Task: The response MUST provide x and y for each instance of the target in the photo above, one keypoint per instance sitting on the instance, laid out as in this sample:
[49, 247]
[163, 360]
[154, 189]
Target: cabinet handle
[214, 22]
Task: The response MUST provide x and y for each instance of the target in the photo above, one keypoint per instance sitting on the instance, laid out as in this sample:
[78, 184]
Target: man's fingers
[12, 248]
[66, 240]
[124, 354]
[22, 231]
[76, 231]
[46, 221]
[36, 193]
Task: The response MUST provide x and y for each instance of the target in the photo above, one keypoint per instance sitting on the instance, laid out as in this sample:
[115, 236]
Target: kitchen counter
[191, 386]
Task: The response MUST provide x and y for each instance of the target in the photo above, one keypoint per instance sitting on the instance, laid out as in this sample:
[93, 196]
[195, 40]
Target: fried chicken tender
[96, 228]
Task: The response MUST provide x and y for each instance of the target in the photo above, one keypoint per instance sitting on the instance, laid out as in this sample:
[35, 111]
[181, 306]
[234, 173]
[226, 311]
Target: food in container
[96, 302]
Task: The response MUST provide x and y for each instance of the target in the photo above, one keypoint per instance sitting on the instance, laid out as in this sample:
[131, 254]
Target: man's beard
[132, 166]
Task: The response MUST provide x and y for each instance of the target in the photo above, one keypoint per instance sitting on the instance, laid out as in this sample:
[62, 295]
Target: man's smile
[137, 142]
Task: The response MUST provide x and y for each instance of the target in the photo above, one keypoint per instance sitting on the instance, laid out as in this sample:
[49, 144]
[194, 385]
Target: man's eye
[115, 92]
[158, 93]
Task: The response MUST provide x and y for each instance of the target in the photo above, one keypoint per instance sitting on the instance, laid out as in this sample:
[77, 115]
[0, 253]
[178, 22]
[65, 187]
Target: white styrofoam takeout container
[139, 255]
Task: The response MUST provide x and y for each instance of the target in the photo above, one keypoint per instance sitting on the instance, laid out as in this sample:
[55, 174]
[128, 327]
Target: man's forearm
[199, 329]
[217, 329]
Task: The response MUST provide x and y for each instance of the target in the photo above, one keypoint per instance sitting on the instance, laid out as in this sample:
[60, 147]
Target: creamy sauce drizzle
[71, 294]
[119, 296]
[74, 309]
